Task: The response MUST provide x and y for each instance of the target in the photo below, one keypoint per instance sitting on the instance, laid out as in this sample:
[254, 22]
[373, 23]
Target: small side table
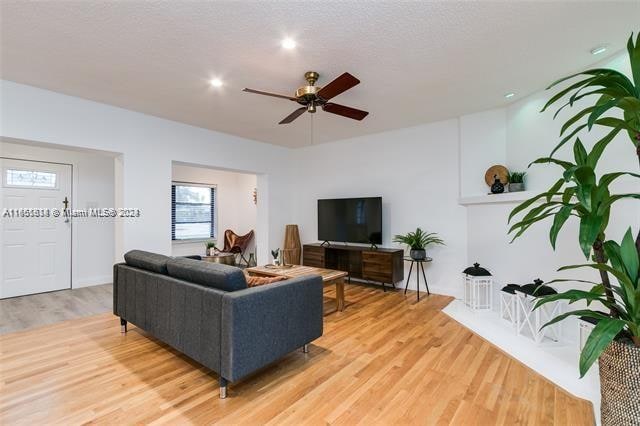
[418, 268]
[224, 258]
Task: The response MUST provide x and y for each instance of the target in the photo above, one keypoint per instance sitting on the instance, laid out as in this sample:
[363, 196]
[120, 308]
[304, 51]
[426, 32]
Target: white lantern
[478, 285]
[508, 311]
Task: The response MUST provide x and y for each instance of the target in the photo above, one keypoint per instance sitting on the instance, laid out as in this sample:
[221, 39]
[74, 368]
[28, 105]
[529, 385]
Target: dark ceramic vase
[497, 187]
[418, 254]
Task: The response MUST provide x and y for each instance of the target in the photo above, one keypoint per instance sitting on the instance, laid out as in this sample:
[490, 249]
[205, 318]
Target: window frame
[214, 209]
[6, 184]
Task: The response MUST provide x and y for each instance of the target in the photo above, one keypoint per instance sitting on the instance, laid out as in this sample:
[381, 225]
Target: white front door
[35, 253]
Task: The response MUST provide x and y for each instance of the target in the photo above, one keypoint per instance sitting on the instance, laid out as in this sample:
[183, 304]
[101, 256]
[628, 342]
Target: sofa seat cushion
[148, 261]
[215, 275]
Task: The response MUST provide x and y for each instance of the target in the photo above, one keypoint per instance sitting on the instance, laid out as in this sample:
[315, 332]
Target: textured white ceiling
[418, 61]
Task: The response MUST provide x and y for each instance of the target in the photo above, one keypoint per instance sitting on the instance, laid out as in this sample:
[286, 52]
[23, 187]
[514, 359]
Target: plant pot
[516, 187]
[418, 254]
[620, 384]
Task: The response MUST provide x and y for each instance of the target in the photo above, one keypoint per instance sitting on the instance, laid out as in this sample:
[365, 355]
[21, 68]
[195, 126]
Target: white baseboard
[91, 281]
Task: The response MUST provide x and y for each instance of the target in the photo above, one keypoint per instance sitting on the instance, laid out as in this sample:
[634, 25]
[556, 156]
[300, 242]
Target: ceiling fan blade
[295, 114]
[275, 95]
[345, 111]
[341, 84]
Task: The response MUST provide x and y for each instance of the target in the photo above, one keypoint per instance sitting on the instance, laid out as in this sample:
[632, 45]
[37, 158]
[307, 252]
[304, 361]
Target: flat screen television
[350, 220]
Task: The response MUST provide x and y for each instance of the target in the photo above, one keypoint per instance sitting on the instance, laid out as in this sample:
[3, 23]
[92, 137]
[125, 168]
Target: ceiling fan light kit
[312, 96]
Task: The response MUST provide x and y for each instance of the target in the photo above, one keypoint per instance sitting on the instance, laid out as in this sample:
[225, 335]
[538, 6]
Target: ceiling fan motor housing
[306, 95]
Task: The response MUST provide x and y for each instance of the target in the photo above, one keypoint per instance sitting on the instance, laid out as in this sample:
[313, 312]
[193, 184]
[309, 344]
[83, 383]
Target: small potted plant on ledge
[417, 242]
[516, 181]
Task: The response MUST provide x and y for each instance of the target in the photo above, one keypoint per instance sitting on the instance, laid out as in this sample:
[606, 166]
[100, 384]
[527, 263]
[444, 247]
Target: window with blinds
[193, 211]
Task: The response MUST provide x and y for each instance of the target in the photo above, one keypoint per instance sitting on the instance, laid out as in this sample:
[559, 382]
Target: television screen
[353, 220]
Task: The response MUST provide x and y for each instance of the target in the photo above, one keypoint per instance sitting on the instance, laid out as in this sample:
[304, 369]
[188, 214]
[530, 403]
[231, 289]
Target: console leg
[123, 326]
[305, 348]
[223, 388]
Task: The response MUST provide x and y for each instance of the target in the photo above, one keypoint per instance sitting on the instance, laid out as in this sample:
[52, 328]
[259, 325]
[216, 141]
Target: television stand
[371, 263]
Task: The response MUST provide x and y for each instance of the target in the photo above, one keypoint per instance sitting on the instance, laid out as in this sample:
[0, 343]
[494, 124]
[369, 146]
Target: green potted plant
[417, 242]
[516, 181]
[613, 299]
[210, 248]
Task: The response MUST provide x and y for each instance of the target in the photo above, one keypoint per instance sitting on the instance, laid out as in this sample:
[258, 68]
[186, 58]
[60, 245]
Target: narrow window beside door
[193, 212]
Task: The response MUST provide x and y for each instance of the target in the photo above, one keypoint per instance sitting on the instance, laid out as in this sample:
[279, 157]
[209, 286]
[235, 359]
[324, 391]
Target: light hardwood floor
[385, 360]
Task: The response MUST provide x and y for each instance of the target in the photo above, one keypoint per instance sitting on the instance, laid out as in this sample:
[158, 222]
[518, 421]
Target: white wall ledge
[507, 197]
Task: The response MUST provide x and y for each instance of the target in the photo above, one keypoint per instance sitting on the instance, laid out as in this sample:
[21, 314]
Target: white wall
[413, 169]
[234, 204]
[148, 146]
[93, 187]
[483, 143]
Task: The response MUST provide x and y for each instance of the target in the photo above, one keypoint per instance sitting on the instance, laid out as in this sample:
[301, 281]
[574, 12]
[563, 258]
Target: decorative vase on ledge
[497, 187]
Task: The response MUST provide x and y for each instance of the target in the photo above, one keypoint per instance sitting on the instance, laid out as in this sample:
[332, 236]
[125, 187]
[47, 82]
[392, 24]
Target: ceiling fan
[312, 96]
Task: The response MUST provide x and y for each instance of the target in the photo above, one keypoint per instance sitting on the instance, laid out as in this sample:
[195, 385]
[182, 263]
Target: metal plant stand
[420, 266]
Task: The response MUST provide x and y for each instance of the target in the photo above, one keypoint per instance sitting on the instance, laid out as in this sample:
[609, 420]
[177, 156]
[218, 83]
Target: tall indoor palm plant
[580, 193]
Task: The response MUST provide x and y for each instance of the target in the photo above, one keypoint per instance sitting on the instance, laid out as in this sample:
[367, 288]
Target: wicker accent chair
[237, 244]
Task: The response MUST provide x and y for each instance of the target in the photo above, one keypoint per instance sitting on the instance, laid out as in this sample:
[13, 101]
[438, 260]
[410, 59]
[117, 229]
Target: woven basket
[620, 384]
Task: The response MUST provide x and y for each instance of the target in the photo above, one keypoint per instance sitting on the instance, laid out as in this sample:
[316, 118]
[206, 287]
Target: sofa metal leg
[223, 388]
[305, 348]
[123, 326]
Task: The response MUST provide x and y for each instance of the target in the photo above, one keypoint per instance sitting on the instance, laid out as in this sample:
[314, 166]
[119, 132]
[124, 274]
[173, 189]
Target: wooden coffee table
[329, 277]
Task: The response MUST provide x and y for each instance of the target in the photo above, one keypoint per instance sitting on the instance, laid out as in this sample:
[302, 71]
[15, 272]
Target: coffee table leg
[340, 294]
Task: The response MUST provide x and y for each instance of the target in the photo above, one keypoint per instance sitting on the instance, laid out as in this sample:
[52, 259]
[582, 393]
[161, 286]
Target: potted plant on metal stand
[417, 242]
[583, 193]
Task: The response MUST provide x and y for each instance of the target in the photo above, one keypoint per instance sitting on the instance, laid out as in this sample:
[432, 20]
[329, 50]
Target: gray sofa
[206, 311]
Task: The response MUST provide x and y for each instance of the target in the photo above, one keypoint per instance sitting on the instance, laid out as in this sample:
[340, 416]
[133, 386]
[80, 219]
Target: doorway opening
[206, 203]
[50, 240]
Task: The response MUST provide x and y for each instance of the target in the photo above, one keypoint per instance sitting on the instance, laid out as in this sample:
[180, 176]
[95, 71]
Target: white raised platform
[556, 362]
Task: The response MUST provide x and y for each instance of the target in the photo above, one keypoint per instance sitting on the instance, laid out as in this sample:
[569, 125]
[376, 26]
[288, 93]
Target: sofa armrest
[262, 324]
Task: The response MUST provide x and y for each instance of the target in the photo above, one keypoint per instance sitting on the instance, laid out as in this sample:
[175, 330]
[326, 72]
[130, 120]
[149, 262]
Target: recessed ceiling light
[288, 43]
[509, 95]
[598, 50]
[215, 82]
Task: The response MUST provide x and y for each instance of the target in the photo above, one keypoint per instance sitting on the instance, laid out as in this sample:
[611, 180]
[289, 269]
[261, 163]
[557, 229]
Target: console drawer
[377, 266]
[313, 256]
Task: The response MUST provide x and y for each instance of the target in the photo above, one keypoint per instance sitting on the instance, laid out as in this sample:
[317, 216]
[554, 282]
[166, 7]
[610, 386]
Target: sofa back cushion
[148, 261]
[215, 275]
